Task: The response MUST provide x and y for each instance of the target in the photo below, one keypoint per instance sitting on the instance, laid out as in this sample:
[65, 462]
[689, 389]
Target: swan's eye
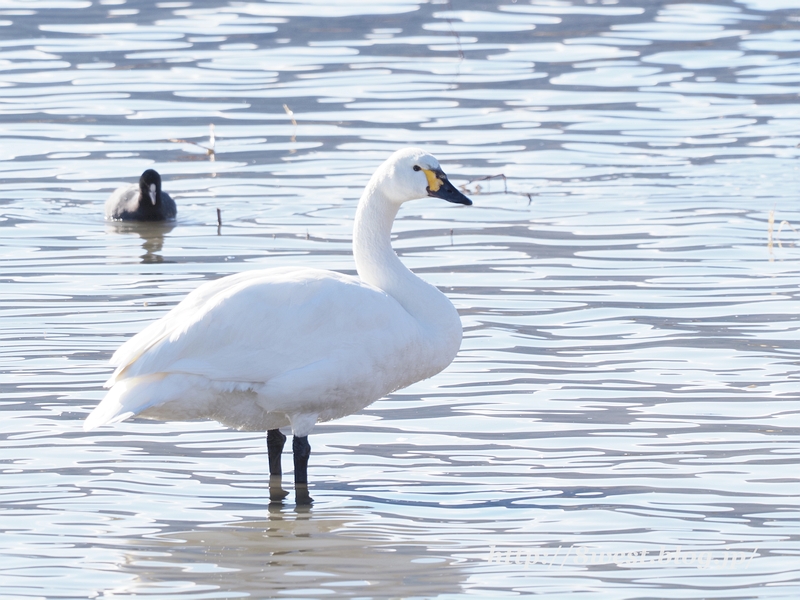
[417, 168]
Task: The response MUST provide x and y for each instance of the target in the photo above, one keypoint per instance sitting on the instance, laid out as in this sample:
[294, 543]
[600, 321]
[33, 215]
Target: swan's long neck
[378, 265]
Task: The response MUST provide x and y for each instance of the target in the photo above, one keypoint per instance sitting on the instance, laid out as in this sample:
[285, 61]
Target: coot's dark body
[144, 201]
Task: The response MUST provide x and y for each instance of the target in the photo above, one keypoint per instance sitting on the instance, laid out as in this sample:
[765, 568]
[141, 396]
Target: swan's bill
[439, 186]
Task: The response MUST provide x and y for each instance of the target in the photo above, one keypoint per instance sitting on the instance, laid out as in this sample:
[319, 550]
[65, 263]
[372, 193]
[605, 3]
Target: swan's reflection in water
[151, 232]
[298, 550]
[277, 494]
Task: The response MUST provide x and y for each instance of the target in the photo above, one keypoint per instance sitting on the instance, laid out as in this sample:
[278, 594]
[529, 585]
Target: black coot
[143, 202]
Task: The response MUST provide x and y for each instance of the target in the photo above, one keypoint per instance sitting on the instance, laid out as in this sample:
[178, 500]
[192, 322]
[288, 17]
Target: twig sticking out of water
[780, 228]
[486, 178]
[455, 34]
[770, 223]
[219, 221]
[478, 189]
[774, 237]
[290, 113]
[291, 117]
[211, 142]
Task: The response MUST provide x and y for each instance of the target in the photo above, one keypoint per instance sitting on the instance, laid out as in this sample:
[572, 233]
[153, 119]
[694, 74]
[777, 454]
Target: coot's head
[150, 186]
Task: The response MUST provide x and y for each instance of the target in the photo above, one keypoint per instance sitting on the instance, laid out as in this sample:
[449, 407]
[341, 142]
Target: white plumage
[265, 349]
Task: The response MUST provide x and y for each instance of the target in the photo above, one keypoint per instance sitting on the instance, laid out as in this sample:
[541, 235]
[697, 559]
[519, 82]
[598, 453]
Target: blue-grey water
[622, 420]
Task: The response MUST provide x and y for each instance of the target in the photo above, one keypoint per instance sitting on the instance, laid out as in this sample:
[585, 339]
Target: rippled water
[622, 420]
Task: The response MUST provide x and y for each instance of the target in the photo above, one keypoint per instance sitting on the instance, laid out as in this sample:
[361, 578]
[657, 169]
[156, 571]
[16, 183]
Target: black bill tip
[447, 191]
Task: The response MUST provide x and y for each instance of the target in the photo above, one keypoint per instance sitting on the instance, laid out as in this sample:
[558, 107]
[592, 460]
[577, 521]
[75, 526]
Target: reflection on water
[291, 550]
[151, 235]
[627, 280]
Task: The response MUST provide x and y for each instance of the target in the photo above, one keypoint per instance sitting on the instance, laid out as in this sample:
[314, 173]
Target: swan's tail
[128, 397]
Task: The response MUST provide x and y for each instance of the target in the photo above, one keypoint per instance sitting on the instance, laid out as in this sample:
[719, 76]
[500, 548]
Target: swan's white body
[265, 349]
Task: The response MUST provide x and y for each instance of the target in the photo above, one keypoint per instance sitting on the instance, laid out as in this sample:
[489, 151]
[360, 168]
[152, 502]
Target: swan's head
[412, 173]
[150, 185]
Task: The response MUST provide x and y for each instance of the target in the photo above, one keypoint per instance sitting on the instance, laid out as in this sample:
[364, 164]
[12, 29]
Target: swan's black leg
[301, 450]
[275, 442]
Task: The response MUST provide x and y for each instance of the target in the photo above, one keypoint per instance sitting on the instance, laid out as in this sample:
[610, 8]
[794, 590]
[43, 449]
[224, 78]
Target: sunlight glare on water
[622, 418]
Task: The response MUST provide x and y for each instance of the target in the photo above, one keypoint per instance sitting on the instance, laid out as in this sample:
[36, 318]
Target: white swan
[293, 346]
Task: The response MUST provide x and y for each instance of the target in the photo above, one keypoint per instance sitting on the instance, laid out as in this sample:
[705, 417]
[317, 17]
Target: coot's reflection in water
[151, 233]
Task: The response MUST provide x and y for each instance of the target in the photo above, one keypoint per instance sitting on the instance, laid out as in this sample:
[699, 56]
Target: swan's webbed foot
[275, 442]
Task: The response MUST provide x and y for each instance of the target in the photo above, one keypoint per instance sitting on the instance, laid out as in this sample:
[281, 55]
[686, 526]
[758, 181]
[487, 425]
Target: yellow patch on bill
[434, 183]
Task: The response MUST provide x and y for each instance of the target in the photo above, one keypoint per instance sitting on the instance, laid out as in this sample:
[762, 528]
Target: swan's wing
[195, 303]
[258, 328]
[296, 336]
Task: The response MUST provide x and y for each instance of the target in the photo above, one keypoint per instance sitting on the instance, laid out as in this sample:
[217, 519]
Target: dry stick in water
[487, 177]
[478, 190]
[770, 229]
[780, 227]
[291, 117]
[770, 223]
[212, 140]
[290, 113]
[458, 43]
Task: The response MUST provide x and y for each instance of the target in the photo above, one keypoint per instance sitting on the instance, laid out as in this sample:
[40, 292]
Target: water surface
[622, 419]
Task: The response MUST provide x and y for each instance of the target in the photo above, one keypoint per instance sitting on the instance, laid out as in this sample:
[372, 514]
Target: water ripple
[622, 418]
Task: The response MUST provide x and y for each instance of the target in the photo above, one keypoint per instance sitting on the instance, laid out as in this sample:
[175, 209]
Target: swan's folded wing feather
[254, 329]
[129, 352]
